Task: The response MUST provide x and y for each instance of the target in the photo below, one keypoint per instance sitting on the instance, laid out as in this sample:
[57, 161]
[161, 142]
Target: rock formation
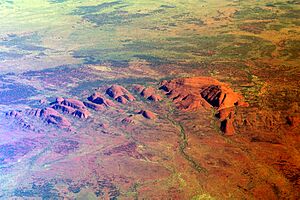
[17, 115]
[98, 102]
[64, 108]
[73, 103]
[14, 114]
[50, 116]
[155, 97]
[71, 106]
[147, 114]
[100, 99]
[148, 93]
[226, 118]
[120, 94]
[81, 113]
[196, 92]
[203, 92]
[122, 99]
[293, 120]
[94, 106]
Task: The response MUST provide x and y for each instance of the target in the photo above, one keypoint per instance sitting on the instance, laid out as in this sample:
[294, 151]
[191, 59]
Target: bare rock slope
[120, 94]
[196, 93]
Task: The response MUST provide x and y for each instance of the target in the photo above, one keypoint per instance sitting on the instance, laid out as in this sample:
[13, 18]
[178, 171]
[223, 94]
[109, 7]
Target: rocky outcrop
[155, 97]
[224, 113]
[71, 106]
[14, 114]
[98, 102]
[293, 120]
[120, 94]
[222, 97]
[195, 93]
[100, 99]
[94, 106]
[226, 118]
[262, 119]
[122, 99]
[73, 103]
[104, 125]
[50, 116]
[18, 116]
[148, 93]
[64, 108]
[227, 127]
[147, 114]
[81, 113]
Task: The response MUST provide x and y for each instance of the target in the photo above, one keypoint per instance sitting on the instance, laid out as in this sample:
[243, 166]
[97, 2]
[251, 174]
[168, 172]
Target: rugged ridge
[48, 115]
[71, 106]
[147, 114]
[148, 93]
[98, 101]
[120, 94]
[195, 93]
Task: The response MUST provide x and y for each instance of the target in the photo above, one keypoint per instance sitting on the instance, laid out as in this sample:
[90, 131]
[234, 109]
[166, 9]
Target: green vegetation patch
[255, 27]
[12, 93]
[181, 50]
[44, 191]
[90, 85]
[85, 10]
[256, 13]
[291, 49]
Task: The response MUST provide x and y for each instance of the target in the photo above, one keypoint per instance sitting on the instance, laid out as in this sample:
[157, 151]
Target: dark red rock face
[148, 93]
[120, 94]
[50, 116]
[293, 120]
[94, 106]
[100, 99]
[212, 94]
[81, 113]
[155, 97]
[147, 114]
[71, 106]
[202, 92]
[63, 108]
[121, 99]
[13, 113]
[73, 103]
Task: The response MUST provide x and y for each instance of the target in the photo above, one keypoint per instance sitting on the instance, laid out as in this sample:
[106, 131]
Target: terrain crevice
[183, 143]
